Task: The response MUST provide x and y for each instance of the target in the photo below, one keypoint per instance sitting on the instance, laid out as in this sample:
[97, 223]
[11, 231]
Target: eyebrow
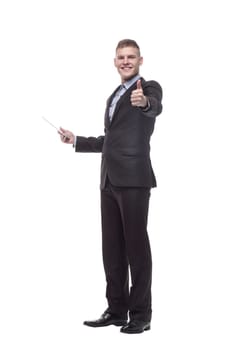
[128, 56]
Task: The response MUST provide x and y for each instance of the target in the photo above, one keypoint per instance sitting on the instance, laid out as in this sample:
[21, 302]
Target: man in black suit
[126, 179]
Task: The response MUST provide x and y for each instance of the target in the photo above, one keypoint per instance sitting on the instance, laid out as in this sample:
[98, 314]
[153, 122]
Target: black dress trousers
[126, 250]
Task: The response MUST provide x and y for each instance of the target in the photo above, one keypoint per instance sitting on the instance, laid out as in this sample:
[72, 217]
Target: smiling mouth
[126, 68]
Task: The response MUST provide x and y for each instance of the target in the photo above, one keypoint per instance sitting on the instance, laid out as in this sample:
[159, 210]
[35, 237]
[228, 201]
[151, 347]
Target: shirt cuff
[147, 107]
[75, 141]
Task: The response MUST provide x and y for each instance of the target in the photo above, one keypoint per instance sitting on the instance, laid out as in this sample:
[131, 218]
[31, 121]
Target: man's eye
[128, 57]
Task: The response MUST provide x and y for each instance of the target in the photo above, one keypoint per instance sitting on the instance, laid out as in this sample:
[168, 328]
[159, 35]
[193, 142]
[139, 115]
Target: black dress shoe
[107, 319]
[135, 326]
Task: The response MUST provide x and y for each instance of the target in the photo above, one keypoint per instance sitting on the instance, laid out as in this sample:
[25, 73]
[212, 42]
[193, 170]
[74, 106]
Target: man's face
[127, 62]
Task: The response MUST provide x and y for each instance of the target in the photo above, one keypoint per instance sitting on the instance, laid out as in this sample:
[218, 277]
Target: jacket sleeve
[89, 144]
[153, 91]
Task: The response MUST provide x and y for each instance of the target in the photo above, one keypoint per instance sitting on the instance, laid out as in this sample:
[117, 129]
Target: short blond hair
[126, 43]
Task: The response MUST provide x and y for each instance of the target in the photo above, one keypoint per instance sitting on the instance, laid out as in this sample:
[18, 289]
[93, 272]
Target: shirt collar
[130, 82]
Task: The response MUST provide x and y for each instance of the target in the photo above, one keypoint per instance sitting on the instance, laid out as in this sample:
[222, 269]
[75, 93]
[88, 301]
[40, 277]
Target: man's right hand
[66, 136]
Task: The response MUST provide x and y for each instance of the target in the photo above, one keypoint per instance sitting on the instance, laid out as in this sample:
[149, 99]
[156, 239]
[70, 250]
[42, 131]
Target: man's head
[128, 59]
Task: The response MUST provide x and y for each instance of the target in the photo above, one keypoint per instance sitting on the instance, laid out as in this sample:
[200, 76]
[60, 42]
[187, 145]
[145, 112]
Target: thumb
[139, 84]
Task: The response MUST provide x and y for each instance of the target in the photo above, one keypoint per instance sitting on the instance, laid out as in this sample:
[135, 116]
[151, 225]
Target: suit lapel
[120, 101]
[109, 100]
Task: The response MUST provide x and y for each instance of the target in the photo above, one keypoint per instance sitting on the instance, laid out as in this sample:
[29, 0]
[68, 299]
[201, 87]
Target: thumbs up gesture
[138, 99]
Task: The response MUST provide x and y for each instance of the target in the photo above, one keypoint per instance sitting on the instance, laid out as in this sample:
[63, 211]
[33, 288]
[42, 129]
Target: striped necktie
[115, 99]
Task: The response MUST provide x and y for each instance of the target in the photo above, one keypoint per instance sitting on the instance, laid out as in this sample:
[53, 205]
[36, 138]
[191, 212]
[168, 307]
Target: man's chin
[127, 77]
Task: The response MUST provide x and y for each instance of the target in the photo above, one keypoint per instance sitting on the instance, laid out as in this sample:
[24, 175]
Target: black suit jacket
[125, 146]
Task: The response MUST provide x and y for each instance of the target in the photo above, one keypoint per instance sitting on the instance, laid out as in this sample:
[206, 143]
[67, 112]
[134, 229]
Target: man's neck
[131, 81]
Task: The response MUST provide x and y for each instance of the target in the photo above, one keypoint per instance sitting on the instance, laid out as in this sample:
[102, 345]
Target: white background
[56, 60]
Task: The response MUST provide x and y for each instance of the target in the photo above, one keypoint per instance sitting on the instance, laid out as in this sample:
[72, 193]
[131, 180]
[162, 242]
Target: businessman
[126, 180]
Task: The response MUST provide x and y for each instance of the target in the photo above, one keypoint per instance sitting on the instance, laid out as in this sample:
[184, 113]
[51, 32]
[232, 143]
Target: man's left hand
[138, 99]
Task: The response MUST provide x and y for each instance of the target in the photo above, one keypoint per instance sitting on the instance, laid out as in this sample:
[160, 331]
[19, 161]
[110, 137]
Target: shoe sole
[116, 323]
[136, 332]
